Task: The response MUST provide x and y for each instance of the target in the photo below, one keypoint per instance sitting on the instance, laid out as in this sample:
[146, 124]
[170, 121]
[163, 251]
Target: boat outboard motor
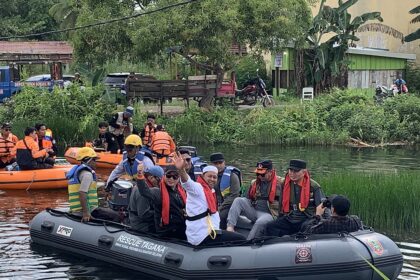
[120, 195]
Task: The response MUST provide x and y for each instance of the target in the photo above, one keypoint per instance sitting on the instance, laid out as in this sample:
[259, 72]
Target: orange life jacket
[162, 143]
[47, 141]
[148, 135]
[7, 147]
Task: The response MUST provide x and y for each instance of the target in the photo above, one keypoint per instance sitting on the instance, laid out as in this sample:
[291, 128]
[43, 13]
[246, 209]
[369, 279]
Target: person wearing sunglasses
[185, 154]
[298, 199]
[168, 202]
[228, 186]
[202, 219]
[140, 209]
[260, 205]
[82, 189]
[7, 144]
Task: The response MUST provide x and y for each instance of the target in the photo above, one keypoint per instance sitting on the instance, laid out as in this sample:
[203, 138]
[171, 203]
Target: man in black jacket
[168, 203]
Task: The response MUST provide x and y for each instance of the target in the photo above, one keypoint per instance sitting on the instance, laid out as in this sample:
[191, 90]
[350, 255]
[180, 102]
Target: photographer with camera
[148, 131]
[340, 221]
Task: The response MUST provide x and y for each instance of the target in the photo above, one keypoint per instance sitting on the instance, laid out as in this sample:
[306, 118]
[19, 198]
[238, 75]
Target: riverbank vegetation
[385, 201]
[332, 119]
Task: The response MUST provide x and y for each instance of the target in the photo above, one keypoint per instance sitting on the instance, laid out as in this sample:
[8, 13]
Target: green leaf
[413, 36]
[346, 5]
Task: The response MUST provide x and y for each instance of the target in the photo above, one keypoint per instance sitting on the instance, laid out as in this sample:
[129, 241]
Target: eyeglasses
[260, 175]
[7, 129]
[175, 177]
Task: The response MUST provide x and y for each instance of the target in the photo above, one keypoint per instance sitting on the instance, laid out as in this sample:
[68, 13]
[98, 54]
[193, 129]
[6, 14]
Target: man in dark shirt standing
[340, 221]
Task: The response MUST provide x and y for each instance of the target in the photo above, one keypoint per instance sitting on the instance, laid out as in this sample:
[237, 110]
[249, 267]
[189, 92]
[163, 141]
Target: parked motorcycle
[382, 93]
[254, 90]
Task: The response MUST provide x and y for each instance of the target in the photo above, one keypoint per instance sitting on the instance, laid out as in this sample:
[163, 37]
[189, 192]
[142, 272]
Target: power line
[100, 22]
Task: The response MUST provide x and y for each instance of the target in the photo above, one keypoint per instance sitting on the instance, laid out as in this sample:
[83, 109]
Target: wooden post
[277, 81]
[188, 93]
[161, 98]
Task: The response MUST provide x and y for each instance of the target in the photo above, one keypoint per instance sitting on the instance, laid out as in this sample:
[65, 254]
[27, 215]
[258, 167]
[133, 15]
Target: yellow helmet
[86, 152]
[133, 139]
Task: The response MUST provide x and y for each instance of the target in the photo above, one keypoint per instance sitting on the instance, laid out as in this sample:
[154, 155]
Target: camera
[326, 203]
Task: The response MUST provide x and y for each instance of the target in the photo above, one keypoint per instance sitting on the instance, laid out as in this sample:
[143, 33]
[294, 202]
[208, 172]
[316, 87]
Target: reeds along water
[384, 200]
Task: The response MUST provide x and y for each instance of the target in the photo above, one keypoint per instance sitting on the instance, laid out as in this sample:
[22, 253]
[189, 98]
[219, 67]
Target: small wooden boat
[105, 160]
[39, 179]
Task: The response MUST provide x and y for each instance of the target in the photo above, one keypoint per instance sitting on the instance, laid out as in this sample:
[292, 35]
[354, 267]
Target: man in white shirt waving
[201, 206]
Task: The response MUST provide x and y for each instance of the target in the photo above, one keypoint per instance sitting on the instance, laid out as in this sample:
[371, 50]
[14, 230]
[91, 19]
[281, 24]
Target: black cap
[160, 127]
[184, 151]
[263, 166]
[297, 164]
[8, 125]
[216, 157]
[341, 204]
[171, 169]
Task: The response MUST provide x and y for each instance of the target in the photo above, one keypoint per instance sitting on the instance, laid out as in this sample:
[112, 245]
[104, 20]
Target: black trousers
[223, 214]
[4, 164]
[223, 236]
[120, 142]
[282, 226]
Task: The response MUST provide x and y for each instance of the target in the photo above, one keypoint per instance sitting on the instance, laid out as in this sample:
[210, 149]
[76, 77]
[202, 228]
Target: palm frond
[413, 36]
[416, 10]
[382, 28]
[416, 19]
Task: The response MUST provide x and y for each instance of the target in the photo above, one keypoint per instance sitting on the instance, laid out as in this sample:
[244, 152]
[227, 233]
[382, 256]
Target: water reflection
[21, 260]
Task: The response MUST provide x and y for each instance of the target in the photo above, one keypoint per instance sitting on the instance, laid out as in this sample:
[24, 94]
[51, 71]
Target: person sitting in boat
[228, 186]
[140, 210]
[132, 156]
[168, 202]
[299, 197]
[7, 145]
[201, 207]
[28, 154]
[46, 141]
[185, 154]
[105, 140]
[121, 125]
[82, 189]
[162, 142]
[339, 221]
[260, 205]
[148, 131]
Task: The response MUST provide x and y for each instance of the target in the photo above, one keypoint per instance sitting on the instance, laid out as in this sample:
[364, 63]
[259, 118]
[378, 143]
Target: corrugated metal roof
[382, 53]
[34, 47]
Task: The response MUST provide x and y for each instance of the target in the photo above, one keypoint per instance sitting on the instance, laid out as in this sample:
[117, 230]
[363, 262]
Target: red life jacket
[6, 147]
[253, 189]
[210, 195]
[304, 193]
[166, 201]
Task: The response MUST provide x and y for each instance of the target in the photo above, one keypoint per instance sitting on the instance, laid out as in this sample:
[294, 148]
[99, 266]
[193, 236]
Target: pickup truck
[10, 84]
[8, 79]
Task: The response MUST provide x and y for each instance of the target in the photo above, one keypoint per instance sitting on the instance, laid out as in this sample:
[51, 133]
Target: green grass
[385, 201]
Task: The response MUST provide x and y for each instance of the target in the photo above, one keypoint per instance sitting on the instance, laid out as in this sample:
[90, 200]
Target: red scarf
[304, 193]
[210, 195]
[165, 200]
[253, 189]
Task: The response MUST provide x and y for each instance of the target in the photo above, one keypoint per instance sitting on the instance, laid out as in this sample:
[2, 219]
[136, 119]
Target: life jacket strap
[198, 217]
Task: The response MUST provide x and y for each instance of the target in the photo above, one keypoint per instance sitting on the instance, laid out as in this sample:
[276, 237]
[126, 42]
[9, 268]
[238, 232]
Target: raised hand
[140, 168]
[179, 162]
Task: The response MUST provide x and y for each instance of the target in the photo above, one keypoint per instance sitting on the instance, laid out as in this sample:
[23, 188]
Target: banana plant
[326, 59]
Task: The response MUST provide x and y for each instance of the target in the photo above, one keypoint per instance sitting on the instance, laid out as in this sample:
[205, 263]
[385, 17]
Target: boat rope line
[98, 23]
[367, 248]
[30, 184]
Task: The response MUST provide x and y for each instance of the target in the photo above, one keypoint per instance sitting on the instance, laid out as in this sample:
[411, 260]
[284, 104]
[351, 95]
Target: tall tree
[19, 17]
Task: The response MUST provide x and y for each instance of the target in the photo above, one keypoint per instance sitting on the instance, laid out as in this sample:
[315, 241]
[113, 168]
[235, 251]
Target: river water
[19, 259]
